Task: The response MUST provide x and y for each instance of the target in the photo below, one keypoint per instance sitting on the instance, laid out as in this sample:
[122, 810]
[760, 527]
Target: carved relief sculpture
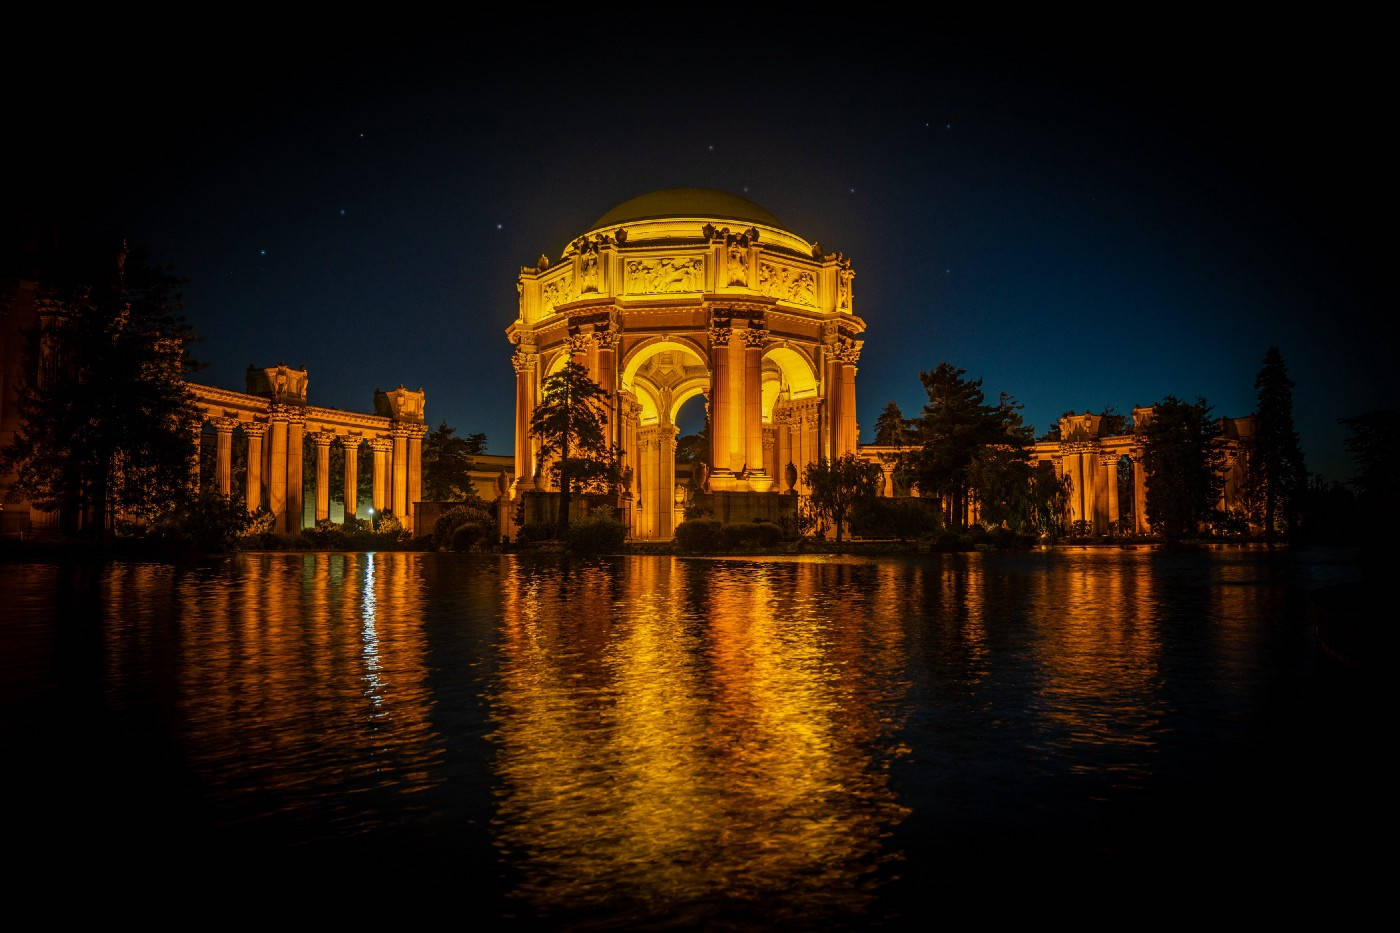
[558, 291]
[787, 284]
[665, 275]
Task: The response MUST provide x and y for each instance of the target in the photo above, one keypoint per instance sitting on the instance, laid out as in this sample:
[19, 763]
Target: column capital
[755, 337]
[350, 441]
[1107, 459]
[406, 430]
[847, 350]
[719, 336]
[255, 428]
[324, 438]
[578, 343]
[607, 339]
[524, 361]
[381, 444]
[292, 414]
[224, 425]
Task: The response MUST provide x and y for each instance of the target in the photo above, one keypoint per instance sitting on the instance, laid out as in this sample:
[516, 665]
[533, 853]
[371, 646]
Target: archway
[661, 379]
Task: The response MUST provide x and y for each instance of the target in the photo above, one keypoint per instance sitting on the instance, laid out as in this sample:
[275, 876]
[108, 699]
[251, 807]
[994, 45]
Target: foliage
[1113, 424]
[534, 532]
[469, 536]
[447, 464]
[261, 522]
[452, 519]
[364, 472]
[108, 425]
[892, 429]
[901, 518]
[599, 533]
[570, 422]
[700, 536]
[1049, 498]
[387, 523]
[749, 535]
[837, 486]
[1182, 462]
[1277, 476]
[208, 524]
[968, 445]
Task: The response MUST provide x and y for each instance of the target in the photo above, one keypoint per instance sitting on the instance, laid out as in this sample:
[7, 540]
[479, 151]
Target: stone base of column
[723, 481]
[760, 482]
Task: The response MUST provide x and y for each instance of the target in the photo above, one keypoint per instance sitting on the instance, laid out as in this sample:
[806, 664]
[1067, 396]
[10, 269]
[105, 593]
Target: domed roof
[687, 202]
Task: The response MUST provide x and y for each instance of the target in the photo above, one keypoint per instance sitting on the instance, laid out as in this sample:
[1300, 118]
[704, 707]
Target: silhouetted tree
[570, 422]
[1276, 472]
[447, 464]
[108, 424]
[1373, 440]
[1182, 462]
[837, 486]
[964, 441]
[892, 428]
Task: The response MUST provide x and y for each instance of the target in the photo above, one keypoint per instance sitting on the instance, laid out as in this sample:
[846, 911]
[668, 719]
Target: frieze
[558, 291]
[664, 275]
[787, 284]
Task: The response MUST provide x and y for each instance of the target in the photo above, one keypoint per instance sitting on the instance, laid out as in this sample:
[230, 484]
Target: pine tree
[891, 428]
[570, 422]
[1182, 461]
[447, 464]
[1276, 470]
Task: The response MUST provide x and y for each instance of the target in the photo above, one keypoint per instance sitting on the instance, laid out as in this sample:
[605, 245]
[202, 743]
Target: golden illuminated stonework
[684, 292]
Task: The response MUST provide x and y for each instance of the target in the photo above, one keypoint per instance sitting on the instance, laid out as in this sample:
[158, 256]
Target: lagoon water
[662, 741]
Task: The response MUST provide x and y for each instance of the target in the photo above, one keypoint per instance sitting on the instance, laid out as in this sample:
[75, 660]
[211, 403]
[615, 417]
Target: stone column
[833, 404]
[578, 347]
[224, 468]
[415, 475]
[351, 445]
[607, 342]
[783, 419]
[525, 364]
[1139, 494]
[721, 391]
[648, 442]
[1089, 469]
[399, 501]
[770, 455]
[1110, 469]
[753, 340]
[296, 427]
[1076, 487]
[254, 431]
[666, 481]
[381, 447]
[848, 430]
[277, 469]
[323, 440]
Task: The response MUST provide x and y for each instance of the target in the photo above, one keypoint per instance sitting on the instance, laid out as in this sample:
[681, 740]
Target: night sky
[1081, 217]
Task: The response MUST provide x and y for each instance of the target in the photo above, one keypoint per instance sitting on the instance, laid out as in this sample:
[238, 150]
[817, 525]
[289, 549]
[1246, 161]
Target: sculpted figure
[588, 272]
[738, 267]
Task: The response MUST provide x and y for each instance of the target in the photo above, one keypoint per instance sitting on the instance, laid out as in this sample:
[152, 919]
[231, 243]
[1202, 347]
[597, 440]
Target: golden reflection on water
[306, 676]
[693, 730]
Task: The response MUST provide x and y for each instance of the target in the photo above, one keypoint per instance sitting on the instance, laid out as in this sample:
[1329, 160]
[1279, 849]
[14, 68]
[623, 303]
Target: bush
[596, 535]
[388, 524]
[535, 532]
[700, 536]
[209, 524]
[468, 536]
[895, 518]
[751, 535]
[448, 523]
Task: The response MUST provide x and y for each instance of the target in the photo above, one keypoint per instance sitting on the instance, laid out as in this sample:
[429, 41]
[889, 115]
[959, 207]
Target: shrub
[209, 524]
[450, 520]
[535, 532]
[468, 535]
[596, 535]
[700, 536]
[388, 524]
[894, 518]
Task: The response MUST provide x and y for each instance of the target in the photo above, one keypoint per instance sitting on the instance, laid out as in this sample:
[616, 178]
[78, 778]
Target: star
[712, 147]
[947, 126]
[500, 226]
[362, 135]
[342, 212]
[262, 252]
[746, 189]
[853, 191]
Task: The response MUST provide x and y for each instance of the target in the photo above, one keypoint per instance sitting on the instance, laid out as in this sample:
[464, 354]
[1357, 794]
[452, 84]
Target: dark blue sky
[1079, 221]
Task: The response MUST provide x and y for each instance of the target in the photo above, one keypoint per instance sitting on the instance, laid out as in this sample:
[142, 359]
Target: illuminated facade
[278, 426]
[688, 292]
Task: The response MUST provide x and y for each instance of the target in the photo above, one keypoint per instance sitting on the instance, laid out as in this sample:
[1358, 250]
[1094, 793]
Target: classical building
[687, 292]
[275, 422]
[271, 426]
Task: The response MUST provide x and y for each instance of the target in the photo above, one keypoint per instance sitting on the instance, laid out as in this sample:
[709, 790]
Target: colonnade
[277, 432]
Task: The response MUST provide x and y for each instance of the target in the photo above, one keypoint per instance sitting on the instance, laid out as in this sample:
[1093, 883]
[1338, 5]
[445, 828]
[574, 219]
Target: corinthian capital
[719, 336]
[524, 362]
[755, 337]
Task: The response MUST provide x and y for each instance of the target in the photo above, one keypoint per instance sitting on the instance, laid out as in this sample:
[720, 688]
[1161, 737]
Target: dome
[687, 202]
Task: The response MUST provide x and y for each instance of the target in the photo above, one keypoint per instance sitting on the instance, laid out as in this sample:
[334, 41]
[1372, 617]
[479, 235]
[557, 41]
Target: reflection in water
[696, 742]
[687, 731]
